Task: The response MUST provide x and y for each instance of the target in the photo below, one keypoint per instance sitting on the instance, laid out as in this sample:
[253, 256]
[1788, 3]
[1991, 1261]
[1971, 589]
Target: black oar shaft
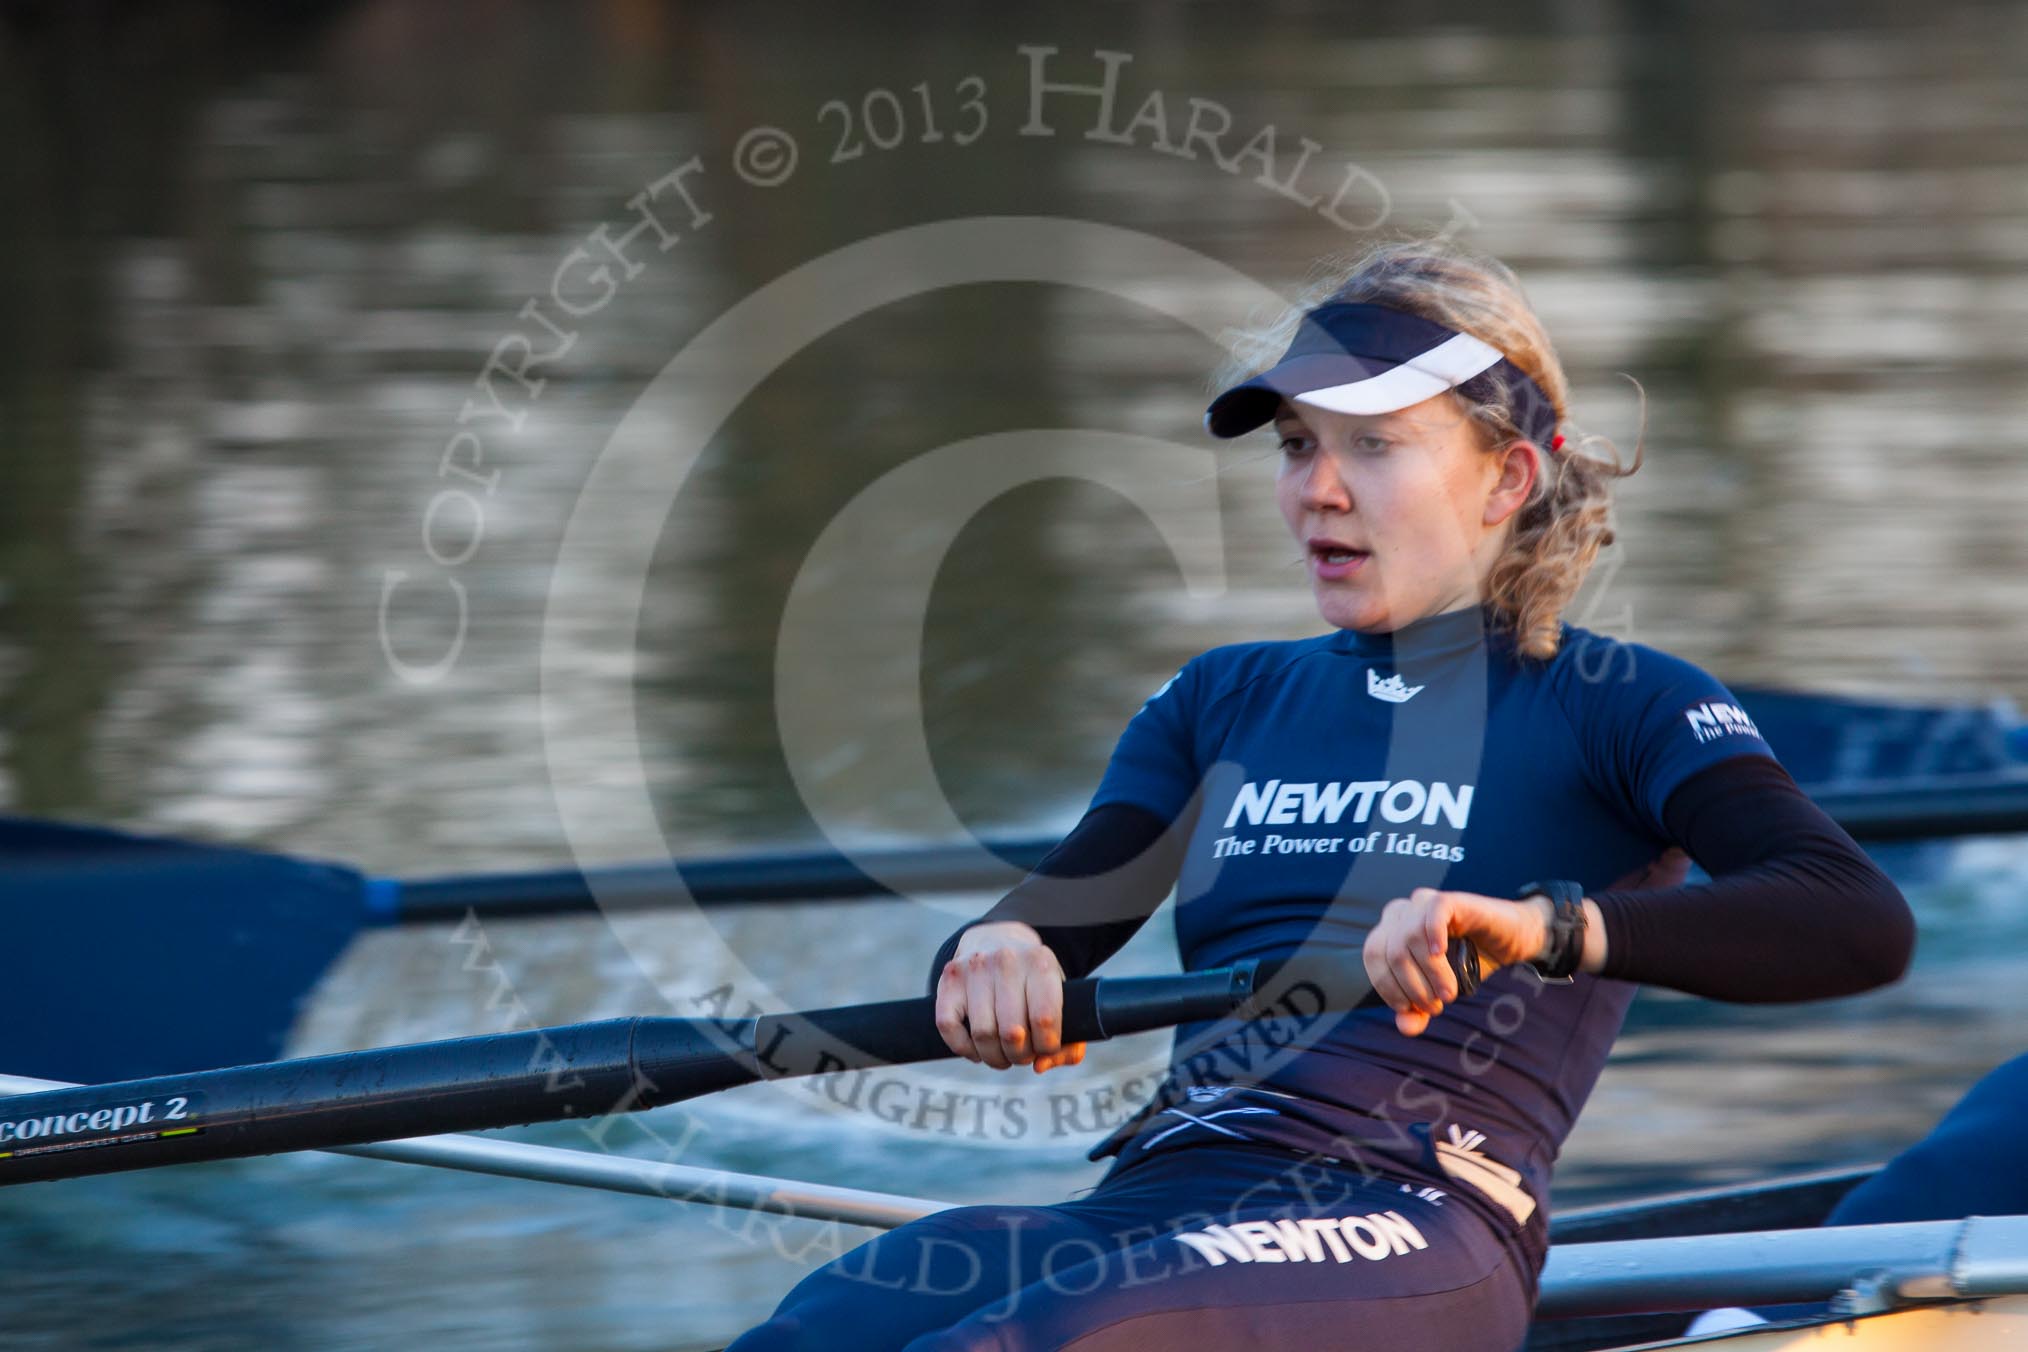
[391, 1092]
[1946, 807]
[812, 875]
[545, 1075]
[1915, 809]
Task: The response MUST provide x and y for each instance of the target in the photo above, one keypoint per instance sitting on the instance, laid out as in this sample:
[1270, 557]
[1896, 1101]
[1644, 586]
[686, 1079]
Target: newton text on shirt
[1273, 802]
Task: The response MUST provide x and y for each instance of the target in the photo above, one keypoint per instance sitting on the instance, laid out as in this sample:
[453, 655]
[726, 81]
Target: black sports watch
[1564, 951]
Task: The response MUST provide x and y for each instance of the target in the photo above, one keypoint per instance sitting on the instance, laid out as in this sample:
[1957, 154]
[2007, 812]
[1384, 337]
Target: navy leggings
[1211, 1247]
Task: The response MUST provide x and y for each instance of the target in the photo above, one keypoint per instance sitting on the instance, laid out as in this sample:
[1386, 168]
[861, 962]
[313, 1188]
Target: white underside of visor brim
[1445, 366]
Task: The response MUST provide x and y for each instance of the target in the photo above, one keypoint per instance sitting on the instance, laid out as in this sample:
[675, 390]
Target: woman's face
[1400, 515]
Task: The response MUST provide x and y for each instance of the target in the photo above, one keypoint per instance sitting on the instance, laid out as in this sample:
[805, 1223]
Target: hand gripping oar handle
[552, 1074]
[819, 1041]
[901, 1031]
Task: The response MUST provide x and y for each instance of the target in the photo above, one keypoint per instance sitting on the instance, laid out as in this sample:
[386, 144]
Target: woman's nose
[1324, 487]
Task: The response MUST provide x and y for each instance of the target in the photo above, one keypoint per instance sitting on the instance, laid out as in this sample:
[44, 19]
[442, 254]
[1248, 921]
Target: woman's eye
[1369, 443]
[1295, 445]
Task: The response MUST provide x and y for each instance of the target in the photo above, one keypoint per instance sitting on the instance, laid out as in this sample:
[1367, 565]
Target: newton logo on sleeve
[1713, 719]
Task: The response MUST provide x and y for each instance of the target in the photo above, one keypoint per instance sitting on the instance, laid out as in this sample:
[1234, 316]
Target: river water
[258, 588]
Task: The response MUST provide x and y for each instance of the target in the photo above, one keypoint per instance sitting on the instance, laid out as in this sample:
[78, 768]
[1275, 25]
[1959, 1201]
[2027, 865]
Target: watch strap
[1564, 951]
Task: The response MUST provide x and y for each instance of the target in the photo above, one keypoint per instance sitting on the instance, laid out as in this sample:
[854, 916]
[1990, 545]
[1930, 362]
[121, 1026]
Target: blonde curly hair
[1556, 536]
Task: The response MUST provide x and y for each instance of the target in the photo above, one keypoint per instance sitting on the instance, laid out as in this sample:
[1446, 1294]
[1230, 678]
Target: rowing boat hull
[1960, 1326]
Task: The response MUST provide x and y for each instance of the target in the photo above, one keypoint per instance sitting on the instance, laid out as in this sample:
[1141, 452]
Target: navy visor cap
[1359, 358]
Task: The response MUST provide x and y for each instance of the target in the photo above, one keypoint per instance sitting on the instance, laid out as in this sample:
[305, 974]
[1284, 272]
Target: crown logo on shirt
[1394, 690]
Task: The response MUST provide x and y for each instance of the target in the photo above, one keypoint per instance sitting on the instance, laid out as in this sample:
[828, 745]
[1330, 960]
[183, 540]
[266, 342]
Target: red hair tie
[1556, 442]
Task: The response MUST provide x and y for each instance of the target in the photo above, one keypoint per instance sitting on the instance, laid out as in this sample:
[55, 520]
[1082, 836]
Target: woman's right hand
[1000, 999]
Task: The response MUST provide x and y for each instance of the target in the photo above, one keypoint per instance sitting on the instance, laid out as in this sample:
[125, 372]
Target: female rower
[1454, 763]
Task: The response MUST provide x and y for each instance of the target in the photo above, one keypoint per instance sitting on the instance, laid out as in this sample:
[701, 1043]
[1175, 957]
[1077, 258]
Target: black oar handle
[896, 1032]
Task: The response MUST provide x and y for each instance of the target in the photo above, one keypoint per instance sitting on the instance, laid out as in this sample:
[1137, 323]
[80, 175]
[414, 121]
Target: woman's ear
[1519, 464]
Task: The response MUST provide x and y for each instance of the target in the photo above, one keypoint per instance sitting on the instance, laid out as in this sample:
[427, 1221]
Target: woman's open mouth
[1331, 560]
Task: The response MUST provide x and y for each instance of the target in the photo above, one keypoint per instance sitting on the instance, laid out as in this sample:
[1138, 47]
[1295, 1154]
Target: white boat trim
[1980, 1256]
